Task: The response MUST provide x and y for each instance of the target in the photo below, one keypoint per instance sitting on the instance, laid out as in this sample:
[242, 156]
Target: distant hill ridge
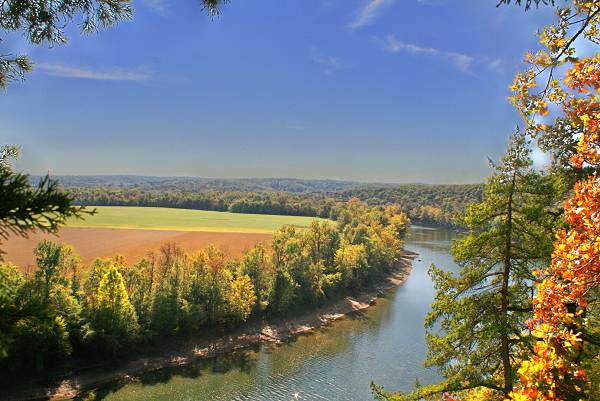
[198, 184]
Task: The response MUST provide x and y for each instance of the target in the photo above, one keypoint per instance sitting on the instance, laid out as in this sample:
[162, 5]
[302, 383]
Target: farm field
[92, 243]
[150, 218]
[133, 232]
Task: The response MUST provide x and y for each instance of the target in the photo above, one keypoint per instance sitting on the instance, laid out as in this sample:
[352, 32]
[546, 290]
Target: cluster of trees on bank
[428, 204]
[111, 306]
[441, 205]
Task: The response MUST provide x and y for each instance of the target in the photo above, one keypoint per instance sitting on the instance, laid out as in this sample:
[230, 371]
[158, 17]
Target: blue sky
[368, 90]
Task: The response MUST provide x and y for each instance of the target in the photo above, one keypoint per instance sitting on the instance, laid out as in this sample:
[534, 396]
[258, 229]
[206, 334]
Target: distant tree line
[100, 312]
[428, 204]
[278, 203]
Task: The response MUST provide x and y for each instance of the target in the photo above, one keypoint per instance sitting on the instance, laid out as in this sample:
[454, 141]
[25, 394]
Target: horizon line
[348, 181]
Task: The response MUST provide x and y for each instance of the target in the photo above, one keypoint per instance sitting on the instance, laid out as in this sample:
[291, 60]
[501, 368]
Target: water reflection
[384, 344]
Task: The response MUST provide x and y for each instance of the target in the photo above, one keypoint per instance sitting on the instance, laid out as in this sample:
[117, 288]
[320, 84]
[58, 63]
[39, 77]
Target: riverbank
[183, 351]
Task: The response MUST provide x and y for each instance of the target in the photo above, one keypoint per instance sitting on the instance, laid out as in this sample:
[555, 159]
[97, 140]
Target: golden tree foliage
[554, 372]
[241, 297]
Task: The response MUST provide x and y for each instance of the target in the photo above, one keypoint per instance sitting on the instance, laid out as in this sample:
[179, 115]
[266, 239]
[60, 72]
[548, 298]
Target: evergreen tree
[41, 332]
[48, 259]
[138, 282]
[195, 294]
[165, 309]
[25, 208]
[11, 281]
[474, 327]
[45, 22]
[46, 316]
[96, 272]
[115, 319]
[284, 291]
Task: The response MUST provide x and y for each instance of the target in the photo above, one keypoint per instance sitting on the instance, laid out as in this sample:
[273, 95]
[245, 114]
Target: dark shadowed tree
[25, 208]
[528, 3]
[11, 281]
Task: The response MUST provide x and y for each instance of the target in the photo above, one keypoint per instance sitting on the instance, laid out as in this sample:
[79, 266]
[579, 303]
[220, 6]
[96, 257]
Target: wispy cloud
[367, 13]
[112, 74]
[497, 65]
[461, 61]
[159, 7]
[540, 159]
[330, 64]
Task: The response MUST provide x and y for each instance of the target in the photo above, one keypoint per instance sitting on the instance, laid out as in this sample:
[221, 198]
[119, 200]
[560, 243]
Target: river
[385, 344]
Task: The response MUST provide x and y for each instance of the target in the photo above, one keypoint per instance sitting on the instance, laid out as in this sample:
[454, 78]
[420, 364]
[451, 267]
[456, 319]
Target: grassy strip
[150, 218]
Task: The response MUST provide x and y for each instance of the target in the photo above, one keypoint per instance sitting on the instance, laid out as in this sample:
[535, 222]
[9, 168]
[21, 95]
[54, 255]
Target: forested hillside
[428, 204]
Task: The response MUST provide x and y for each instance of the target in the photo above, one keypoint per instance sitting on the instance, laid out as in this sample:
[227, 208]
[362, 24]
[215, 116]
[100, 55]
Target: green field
[150, 218]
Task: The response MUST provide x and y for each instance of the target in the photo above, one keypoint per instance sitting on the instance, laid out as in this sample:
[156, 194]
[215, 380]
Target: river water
[384, 344]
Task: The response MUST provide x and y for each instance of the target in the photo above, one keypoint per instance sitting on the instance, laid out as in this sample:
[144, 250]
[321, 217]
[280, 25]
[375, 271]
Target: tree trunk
[504, 341]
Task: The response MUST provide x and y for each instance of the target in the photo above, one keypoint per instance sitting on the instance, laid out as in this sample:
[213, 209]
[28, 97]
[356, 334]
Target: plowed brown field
[91, 243]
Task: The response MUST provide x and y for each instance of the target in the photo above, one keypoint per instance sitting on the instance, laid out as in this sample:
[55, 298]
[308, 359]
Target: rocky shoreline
[182, 352]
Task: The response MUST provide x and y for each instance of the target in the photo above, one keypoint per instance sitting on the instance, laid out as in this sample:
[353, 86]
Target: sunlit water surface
[384, 344]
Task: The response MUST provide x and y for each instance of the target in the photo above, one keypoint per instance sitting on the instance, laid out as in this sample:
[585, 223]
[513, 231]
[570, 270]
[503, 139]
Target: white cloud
[497, 65]
[461, 61]
[541, 160]
[368, 12]
[113, 74]
[159, 7]
[329, 63]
